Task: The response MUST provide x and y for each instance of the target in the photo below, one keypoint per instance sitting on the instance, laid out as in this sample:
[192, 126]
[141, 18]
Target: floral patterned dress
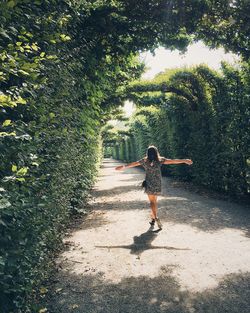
[153, 175]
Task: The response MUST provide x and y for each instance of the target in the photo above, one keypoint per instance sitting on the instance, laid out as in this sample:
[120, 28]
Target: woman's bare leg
[154, 209]
[153, 205]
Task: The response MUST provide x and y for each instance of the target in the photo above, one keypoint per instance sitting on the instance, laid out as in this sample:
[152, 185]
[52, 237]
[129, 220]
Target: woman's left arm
[178, 161]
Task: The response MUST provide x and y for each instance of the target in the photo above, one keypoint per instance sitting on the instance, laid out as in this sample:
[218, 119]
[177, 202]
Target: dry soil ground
[113, 262]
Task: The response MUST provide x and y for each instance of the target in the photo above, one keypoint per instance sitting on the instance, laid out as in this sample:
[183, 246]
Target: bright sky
[196, 54]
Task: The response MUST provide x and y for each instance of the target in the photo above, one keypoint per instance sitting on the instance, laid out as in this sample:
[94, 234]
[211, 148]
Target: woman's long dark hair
[153, 154]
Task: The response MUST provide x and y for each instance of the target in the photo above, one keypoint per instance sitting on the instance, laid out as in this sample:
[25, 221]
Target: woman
[152, 165]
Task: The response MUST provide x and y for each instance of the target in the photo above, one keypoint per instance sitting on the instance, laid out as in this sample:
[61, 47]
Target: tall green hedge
[204, 117]
[58, 88]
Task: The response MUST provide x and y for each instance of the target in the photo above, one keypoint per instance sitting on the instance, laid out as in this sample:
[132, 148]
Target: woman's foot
[158, 222]
[152, 222]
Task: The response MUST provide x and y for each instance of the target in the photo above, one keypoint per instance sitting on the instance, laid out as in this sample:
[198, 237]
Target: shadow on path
[116, 191]
[93, 280]
[142, 243]
[177, 205]
[160, 294]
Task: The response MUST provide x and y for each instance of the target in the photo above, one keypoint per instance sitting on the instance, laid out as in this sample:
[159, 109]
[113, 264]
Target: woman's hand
[120, 167]
[189, 162]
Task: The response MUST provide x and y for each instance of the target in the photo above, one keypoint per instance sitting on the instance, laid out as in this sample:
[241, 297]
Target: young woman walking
[152, 165]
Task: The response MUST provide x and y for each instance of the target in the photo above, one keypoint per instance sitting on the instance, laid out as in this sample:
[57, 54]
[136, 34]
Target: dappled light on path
[201, 259]
[115, 260]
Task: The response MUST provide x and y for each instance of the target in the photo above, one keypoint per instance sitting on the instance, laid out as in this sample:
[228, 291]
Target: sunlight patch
[125, 248]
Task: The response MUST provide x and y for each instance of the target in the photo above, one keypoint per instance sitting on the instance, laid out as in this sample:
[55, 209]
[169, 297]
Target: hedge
[206, 119]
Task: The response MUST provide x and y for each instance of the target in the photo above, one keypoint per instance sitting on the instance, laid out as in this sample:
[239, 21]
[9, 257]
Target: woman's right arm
[123, 167]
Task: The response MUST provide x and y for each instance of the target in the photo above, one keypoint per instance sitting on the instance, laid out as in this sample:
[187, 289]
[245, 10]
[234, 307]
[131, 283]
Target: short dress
[153, 175]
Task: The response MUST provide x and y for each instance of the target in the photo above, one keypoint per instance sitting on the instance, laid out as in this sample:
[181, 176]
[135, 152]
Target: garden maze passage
[199, 262]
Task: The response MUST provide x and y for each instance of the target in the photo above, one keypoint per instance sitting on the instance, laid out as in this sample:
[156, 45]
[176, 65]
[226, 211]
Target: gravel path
[113, 262]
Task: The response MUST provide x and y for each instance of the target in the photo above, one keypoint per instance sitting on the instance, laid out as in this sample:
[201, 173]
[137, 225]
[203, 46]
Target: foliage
[64, 69]
[204, 117]
[57, 90]
[226, 23]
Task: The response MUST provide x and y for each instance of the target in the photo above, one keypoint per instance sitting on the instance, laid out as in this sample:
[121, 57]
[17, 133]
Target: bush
[204, 118]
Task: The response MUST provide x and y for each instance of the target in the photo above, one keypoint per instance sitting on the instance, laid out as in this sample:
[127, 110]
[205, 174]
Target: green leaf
[2, 262]
[11, 4]
[21, 179]
[65, 37]
[21, 100]
[14, 168]
[4, 134]
[4, 34]
[51, 57]
[22, 72]
[4, 203]
[6, 123]
[22, 171]
[53, 41]
[4, 98]
[35, 47]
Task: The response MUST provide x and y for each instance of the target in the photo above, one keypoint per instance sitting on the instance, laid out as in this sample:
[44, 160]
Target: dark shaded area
[93, 219]
[204, 213]
[91, 293]
[232, 296]
[98, 221]
[115, 191]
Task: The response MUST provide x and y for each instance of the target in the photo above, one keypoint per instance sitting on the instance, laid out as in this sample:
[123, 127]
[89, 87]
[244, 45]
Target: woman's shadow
[142, 243]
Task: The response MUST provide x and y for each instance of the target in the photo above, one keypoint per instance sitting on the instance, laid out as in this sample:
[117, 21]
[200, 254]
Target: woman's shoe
[158, 222]
[152, 222]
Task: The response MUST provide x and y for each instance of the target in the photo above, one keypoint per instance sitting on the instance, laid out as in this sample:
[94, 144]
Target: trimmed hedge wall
[206, 119]
[59, 86]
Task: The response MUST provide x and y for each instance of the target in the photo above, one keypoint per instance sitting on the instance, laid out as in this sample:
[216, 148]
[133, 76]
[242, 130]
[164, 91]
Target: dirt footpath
[113, 262]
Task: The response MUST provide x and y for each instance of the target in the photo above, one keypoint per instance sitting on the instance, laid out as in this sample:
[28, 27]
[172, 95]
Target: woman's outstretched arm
[123, 167]
[177, 161]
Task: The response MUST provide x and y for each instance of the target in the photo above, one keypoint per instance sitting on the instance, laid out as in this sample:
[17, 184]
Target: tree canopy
[200, 114]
